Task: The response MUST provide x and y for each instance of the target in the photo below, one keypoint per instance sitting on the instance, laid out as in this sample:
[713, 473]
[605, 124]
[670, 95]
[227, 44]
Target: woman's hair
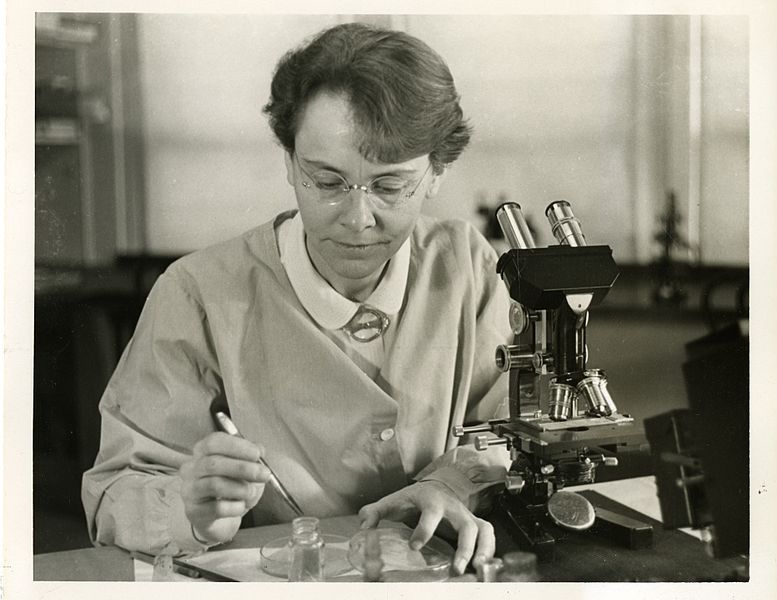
[401, 92]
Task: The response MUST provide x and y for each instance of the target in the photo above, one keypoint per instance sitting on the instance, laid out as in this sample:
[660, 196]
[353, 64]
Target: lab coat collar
[328, 307]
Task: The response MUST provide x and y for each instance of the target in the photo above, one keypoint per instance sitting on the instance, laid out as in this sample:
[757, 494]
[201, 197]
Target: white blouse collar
[328, 307]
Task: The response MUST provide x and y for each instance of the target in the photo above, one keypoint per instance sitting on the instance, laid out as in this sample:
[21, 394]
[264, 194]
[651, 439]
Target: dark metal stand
[533, 530]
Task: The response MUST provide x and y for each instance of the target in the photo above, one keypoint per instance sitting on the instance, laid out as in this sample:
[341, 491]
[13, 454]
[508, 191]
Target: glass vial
[519, 566]
[163, 568]
[307, 550]
[489, 569]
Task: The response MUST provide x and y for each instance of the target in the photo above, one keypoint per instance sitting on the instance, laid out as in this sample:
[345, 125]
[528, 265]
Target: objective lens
[560, 401]
[514, 226]
[565, 226]
[593, 387]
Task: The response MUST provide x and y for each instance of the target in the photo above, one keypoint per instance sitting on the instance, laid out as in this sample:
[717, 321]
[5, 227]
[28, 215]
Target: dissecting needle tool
[225, 424]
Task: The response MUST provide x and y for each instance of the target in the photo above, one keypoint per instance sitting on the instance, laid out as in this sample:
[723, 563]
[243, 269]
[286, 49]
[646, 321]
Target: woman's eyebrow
[322, 164]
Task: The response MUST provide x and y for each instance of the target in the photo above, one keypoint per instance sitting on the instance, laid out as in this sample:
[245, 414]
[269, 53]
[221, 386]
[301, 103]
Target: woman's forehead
[329, 137]
[327, 120]
[328, 130]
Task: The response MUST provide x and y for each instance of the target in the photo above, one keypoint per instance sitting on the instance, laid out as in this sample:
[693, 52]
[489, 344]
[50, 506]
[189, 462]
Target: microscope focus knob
[482, 442]
[540, 360]
[519, 318]
[512, 357]
[462, 430]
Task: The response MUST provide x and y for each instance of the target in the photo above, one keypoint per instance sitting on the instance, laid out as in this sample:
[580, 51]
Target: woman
[347, 337]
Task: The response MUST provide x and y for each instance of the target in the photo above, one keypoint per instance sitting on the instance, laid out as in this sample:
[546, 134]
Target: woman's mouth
[359, 247]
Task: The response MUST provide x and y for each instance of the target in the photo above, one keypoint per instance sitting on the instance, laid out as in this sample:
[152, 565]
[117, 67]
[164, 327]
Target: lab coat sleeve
[154, 409]
[469, 473]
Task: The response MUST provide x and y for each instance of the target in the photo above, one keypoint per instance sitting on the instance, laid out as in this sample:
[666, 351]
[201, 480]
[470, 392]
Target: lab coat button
[387, 434]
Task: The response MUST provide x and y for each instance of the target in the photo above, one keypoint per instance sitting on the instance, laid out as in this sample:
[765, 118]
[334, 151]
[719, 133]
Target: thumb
[369, 515]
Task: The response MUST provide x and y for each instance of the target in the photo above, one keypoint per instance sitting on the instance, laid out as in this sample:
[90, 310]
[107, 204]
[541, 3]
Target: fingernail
[415, 545]
[460, 565]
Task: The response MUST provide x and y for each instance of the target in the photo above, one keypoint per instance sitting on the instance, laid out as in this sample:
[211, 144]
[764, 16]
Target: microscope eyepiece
[514, 226]
[566, 228]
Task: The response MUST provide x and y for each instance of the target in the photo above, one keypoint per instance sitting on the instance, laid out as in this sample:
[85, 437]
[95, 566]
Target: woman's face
[350, 242]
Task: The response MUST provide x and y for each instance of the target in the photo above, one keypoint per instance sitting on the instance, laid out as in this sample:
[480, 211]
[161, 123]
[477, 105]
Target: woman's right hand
[221, 482]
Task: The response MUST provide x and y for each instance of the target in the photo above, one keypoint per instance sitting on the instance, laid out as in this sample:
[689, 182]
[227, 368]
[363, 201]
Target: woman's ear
[437, 179]
[289, 161]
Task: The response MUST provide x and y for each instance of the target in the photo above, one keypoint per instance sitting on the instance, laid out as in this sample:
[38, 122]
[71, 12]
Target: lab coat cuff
[182, 532]
[461, 485]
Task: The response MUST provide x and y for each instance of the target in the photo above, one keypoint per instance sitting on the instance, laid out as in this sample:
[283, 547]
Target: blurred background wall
[608, 112]
[150, 143]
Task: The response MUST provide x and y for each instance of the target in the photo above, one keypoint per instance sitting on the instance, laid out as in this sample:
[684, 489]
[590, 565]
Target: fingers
[468, 533]
[257, 490]
[222, 488]
[486, 544]
[228, 445]
[369, 515]
[395, 507]
[220, 482]
[475, 535]
[225, 466]
[427, 525]
[465, 524]
[219, 509]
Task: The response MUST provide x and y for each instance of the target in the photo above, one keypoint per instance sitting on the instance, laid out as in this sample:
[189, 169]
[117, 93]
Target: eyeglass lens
[331, 184]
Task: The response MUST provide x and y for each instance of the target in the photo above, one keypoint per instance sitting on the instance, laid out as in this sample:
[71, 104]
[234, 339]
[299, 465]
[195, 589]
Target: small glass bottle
[519, 566]
[163, 568]
[489, 569]
[307, 550]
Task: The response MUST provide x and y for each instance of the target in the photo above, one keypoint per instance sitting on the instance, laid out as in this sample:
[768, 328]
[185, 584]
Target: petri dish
[275, 556]
[400, 563]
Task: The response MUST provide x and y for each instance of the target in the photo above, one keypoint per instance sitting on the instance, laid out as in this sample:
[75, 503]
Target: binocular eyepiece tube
[566, 228]
[514, 226]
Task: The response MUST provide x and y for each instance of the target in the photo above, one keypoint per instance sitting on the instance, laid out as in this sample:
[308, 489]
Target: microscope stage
[551, 440]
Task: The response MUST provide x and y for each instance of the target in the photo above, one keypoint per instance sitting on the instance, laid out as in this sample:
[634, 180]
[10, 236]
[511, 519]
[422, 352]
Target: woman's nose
[357, 211]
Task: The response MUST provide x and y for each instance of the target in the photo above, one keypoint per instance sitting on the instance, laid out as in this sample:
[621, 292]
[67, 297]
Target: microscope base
[534, 532]
[529, 528]
[625, 531]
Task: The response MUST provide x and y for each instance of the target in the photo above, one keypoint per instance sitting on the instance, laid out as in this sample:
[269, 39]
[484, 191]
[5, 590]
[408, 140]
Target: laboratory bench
[673, 555]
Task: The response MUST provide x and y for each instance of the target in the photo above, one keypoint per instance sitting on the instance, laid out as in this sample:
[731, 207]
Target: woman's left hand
[436, 504]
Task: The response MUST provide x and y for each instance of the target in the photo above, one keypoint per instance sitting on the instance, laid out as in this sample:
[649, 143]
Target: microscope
[563, 423]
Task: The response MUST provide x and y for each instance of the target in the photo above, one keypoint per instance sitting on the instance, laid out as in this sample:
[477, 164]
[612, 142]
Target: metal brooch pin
[367, 324]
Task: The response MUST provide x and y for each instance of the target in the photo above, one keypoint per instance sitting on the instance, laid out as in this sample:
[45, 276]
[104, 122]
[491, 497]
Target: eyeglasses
[332, 187]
